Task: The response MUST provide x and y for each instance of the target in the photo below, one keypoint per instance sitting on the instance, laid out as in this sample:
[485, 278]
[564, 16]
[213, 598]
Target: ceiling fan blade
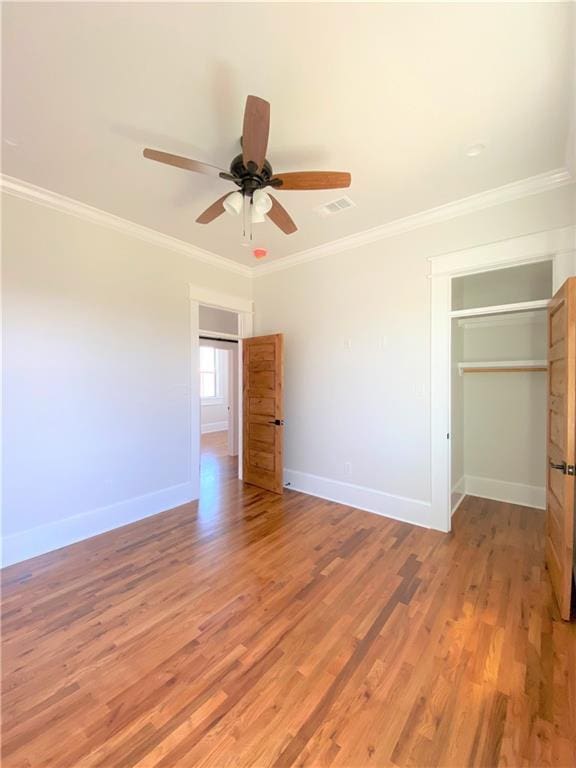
[312, 180]
[213, 211]
[255, 131]
[182, 162]
[280, 216]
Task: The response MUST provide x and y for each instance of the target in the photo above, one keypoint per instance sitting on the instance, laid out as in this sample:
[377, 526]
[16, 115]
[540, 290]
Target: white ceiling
[393, 93]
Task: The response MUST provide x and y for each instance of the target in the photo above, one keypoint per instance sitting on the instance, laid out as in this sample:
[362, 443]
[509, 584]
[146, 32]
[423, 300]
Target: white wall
[97, 374]
[357, 333]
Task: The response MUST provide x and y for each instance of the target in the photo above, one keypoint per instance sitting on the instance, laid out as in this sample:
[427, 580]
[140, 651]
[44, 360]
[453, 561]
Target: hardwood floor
[215, 446]
[257, 630]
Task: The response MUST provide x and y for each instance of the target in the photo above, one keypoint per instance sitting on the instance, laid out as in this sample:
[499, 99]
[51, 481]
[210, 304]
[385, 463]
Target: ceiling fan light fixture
[233, 203]
[261, 202]
[258, 216]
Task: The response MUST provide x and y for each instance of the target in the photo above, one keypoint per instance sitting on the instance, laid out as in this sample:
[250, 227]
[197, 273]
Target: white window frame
[219, 397]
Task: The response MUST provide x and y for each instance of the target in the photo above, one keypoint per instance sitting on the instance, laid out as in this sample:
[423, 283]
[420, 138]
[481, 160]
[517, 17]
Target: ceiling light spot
[11, 142]
[475, 149]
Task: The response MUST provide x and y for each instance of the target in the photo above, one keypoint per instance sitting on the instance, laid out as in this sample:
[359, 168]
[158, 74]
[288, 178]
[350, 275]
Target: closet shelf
[218, 335]
[503, 366]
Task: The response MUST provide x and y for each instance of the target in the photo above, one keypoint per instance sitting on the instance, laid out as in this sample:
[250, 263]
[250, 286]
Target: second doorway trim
[245, 310]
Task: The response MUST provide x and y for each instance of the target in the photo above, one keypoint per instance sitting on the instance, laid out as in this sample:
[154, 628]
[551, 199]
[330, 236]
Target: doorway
[498, 385]
[229, 338]
[495, 295]
[218, 339]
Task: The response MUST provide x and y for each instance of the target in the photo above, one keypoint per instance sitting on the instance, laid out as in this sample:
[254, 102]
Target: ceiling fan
[252, 173]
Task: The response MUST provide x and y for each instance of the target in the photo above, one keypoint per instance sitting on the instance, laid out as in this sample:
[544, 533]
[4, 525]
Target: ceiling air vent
[335, 206]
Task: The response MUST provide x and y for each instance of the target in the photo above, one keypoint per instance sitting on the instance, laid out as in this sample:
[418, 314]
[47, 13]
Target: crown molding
[26, 191]
[533, 185]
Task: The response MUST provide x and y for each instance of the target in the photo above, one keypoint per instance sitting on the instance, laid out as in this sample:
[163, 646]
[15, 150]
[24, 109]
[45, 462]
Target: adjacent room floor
[258, 630]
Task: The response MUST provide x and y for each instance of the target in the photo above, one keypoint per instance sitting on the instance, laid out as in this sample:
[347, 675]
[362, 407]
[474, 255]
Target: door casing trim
[245, 310]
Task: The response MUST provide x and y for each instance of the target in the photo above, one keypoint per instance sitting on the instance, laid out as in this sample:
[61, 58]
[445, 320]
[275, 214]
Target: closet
[499, 384]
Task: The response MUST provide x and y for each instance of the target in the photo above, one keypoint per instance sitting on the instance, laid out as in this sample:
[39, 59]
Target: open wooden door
[263, 425]
[561, 442]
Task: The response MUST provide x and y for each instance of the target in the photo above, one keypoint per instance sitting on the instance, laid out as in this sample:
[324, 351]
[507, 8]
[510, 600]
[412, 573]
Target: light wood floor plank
[258, 630]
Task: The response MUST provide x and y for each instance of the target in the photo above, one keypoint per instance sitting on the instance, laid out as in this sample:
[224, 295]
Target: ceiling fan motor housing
[248, 180]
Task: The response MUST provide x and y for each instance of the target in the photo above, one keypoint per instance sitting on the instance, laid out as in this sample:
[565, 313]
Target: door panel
[264, 406]
[561, 442]
[555, 485]
[262, 460]
[558, 324]
[263, 353]
[264, 433]
[263, 369]
[263, 380]
[557, 375]
[556, 427]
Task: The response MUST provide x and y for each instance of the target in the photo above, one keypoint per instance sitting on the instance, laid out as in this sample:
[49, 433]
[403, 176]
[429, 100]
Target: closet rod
[216, 338]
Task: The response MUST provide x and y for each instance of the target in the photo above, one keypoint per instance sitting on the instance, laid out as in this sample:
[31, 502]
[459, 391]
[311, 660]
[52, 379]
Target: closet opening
[498, 384]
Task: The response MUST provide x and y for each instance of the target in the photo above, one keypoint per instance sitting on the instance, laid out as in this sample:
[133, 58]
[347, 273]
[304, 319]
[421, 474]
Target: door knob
[561, 467]
[277, 422]
[566, 469]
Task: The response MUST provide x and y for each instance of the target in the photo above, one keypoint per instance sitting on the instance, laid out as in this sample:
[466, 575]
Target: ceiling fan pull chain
[246, 221]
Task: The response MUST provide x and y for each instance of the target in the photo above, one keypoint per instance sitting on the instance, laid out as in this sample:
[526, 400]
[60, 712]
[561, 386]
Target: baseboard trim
[46, 538]
[457, 504]
[500, 490]
[367, 499]
[458, 493]
[215, 426]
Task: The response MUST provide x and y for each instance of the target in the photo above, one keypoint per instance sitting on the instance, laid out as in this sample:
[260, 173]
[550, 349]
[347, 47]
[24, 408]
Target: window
[208, 384]
[208, 373]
